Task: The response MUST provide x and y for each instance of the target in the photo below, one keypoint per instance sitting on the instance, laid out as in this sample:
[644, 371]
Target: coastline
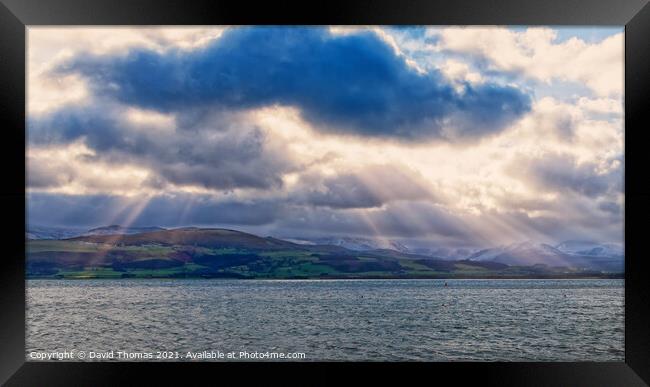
[326, 278]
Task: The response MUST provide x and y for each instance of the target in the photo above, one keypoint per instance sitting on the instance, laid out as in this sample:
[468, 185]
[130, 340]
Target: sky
[432, 136]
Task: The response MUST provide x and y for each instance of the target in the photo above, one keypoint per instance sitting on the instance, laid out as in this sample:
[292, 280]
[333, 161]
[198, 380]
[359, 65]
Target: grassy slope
[230, 254]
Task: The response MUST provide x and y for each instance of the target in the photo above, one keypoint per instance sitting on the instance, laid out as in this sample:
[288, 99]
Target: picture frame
[16, 15]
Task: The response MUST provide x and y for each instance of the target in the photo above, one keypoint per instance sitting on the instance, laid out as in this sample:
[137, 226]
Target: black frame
[15, 15]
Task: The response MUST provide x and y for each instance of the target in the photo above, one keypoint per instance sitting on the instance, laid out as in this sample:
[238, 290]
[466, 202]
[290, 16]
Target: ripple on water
[489, 320]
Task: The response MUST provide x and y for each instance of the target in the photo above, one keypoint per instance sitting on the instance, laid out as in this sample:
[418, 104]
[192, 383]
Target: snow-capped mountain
[523, 254]
[43, 232]
[443, 252]
[592, 249]
[531, 253]
[355, 243]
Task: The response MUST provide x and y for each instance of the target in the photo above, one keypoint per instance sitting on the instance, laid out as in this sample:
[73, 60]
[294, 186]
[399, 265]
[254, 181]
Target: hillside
[117, 229]
[221, 253]
[529, 253]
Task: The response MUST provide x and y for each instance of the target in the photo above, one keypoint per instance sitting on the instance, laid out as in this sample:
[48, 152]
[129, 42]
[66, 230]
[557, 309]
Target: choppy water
[482, 320]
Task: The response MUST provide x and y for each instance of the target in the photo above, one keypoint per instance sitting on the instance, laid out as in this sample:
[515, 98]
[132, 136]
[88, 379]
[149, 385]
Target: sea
[325, 320]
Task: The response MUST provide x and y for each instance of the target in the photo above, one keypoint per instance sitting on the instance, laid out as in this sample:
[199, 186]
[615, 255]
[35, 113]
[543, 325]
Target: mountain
[444, 252]
[119, 230]
[369, 244]
[592, 249]
[189, 236]
[565, 255]
[222, 253]
[357, 243]
[44, 232]
[524, 253]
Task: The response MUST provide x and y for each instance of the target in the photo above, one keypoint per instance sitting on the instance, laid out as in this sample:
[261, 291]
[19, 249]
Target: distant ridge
[581, 252]
[35, 232]
[357, 243]
[531, 253]
[590, 248]
[119, 230]
[189, 236]
[191, 252]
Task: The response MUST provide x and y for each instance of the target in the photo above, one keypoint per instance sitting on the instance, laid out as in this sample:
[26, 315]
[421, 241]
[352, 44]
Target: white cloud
[48, 93]
[459, 72]
[536, 53]
[470, 181]
[151, 119]
[601, 105]
[48, 46]
[72, 169]
[49, 42]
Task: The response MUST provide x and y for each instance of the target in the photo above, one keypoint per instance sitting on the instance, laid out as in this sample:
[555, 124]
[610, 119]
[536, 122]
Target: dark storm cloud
[407, 219]
[204, 210]
[167, 211]
[580, 221]
[350, 83]
[42, 176]
[612, 208]
[372, 186]
[399, 219]
[217, 151]
[345, 191]
[71, 210]
[563, 173]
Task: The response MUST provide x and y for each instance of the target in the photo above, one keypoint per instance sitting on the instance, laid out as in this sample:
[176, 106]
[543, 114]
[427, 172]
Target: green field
[214, 253]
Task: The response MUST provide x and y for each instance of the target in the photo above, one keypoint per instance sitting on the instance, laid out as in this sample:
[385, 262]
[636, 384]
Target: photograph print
[325, 193]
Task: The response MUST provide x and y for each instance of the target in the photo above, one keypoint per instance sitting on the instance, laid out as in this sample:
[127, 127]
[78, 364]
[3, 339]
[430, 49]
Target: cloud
[49, 46]
[563, 173]
[160, 210]
[537, 54]
[352, 83]
[613, 208]
[550, 116]
[303, 132]
[373, 186]
[557, 227]
[402, 219]
[214, 150]
[427, 223]
[261, 216]
[72, 168]
[603, 106]
[460, 72]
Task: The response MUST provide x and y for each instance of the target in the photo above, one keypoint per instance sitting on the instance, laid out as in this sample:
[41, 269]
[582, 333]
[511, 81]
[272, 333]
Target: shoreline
[586, 277]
